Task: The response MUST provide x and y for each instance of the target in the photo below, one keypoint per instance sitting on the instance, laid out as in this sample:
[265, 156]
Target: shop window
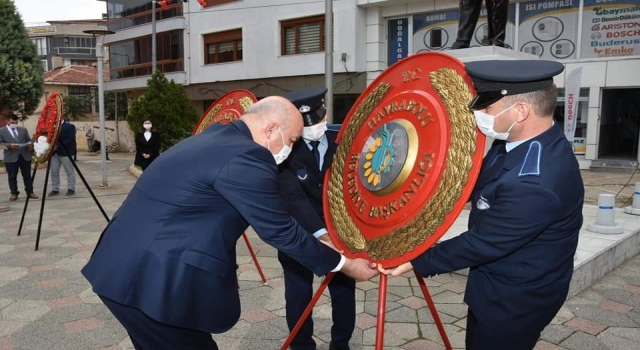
[223, 47]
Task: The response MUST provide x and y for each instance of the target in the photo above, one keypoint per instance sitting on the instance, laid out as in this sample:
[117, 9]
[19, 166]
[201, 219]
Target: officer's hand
[397, 271]
[360, 269]
[14, 145]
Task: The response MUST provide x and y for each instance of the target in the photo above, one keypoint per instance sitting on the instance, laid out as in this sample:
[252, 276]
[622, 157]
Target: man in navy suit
[526, 210]
[301, 183]
[67, 141]
[165, 265]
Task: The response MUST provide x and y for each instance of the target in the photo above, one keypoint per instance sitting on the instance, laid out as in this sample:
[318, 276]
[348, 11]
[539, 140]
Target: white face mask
[147, 126]
[12, 126]
[314, 132]
[284, 152]
[486, 122]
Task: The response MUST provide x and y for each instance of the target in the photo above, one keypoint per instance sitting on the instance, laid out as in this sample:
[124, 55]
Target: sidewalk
[45, 303]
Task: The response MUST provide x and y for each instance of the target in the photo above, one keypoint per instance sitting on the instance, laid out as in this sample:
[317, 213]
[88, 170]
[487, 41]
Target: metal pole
[153, 37]
[103, 133]
[115, 93]
[328, 61]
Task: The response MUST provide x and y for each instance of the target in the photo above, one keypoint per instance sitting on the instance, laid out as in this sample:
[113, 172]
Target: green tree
[21, 71]
[73, 108]
[110, 105]
[168, 107]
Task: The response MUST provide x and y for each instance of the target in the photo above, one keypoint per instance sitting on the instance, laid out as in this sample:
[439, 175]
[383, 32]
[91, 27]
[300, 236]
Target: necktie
[316, 152]
[14, 132]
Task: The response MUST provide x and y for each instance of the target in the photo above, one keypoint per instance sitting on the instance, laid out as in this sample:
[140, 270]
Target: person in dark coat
[165, 265]
[148, 142]
[301, 182]
[526, 210]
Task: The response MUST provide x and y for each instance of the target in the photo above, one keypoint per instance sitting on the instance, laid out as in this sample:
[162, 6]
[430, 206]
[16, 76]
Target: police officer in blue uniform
[301, 181]
[526, 210]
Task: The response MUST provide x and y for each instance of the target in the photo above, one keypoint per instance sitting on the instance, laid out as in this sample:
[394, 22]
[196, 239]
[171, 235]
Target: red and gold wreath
[48, 128]
[227, 108]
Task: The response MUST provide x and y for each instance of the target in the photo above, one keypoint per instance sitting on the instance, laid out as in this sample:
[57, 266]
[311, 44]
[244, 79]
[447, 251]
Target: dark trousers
[298, 292]
[12, 172]
[481, 336]
[149, 334]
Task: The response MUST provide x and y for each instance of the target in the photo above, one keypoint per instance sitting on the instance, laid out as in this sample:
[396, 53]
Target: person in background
[301, 181]
[90, 137]
[66, 143]
[17, 155]
[148, 143]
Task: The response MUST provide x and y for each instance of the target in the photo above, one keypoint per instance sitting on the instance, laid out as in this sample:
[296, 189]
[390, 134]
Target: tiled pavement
[45, 303]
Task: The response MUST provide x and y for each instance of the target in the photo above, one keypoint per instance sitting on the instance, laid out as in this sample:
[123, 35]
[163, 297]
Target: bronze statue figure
[496, 21]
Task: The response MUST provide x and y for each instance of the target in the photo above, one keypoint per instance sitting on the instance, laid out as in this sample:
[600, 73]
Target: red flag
[164, 4]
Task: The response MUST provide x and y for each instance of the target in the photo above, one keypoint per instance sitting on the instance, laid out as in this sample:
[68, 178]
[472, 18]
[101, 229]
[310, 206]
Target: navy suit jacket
[523, 232]
[170, 249]
[301, 182]
[67, 138]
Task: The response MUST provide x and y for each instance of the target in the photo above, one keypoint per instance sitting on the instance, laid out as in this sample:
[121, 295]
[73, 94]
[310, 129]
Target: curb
[134, 170]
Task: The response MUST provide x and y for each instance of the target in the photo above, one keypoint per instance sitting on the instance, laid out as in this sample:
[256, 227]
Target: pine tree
[21, 72]
[168, 107]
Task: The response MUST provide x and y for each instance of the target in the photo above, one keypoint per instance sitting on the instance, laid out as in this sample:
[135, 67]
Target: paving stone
[24, 310]
[413, 302]
[603, 317]
[448, 297]
[5, 344]
[632, 289]
[395, 334]
[402, 314]
[628, 333]
[256, 315]
[613, 342]
[584, 325]
[455, 334]
[456, 287]
[365, 321]
[543, 345]
[563, 315]
[583, 341]
[615, 307]
[556, 333]
[371, 307]
[422, 344]
[424, 316]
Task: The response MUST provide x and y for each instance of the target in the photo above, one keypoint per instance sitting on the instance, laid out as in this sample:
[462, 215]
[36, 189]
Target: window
[41, 46]
[128, 13]
[83, 95]
[132, 58]
[303, 35]
[223, 47]
[218, 2]
[45, 65]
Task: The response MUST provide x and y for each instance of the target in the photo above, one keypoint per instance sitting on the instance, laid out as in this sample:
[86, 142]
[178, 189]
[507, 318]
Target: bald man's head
[273, 122]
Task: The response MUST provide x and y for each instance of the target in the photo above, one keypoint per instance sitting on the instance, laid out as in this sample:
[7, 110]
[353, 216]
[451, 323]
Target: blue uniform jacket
[523, 232]
[170, 249]
[301, 182]
[67, 138]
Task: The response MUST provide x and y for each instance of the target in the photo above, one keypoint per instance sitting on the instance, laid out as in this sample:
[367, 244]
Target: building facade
[601, 36]
[269, 47]
[63, 43]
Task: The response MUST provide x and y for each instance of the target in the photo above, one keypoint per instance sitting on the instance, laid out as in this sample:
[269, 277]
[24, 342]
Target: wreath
[48, 128]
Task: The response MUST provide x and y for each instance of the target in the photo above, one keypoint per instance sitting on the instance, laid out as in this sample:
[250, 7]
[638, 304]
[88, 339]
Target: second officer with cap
[301, 182]
[526, 210]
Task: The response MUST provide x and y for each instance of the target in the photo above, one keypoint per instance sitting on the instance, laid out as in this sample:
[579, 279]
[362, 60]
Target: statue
[496, 20]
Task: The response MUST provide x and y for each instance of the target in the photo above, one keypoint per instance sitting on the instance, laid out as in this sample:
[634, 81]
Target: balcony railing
[144, 69]
[85, 51]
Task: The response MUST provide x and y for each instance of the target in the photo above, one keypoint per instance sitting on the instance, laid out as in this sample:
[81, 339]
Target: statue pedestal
[485, 53]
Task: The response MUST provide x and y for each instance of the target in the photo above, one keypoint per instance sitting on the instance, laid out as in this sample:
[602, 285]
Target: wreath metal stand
[382, 306]
[44, 194]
